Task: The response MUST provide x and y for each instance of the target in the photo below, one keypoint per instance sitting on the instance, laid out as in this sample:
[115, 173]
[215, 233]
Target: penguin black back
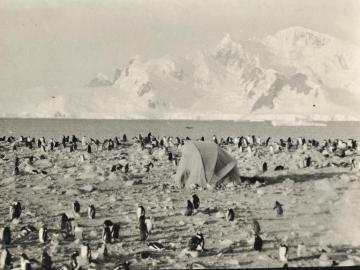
[264, 167]
[143, 229]
[189, 208]
[76, 207]
[230, 215]
[46, 262]
[196, 201]
[258, 243]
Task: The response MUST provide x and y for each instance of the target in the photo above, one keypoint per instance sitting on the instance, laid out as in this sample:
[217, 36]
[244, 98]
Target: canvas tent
[205, 164]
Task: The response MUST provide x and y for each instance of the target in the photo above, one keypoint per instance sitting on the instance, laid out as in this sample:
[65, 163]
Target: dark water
[194, 129]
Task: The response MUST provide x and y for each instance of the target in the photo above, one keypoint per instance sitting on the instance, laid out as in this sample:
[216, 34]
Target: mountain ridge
[296, 72]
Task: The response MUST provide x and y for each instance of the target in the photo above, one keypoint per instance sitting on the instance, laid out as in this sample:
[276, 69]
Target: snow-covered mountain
[295, 73]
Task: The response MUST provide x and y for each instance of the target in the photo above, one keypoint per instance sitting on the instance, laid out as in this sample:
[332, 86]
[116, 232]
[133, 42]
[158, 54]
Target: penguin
[279, 168]
[149, 224]
[66, 226]
[264, 167]
[125, 169]
[124, 266]
[43, 234]
[283, 252]
[85, 252]
[301, 250]
[256, 227]
[91, 211]
[46, 262]
[5, 235]
[24, 231]
[74, 260]
[196, 265]
[89, 149]
[76, 208]
[156, 246]
[189, 208]
[279, 209]
[196, 242]
[230, 215]
[5, 259]
[258, 243]
[147, 167]
[106, 234]
[196, 201]
[140, 211]
[15, 210]
[102, 251]
[115, 231]
[143, 229]
[25, 262]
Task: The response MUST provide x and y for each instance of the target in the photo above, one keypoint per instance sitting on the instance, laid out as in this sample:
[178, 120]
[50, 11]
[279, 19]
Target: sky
[64, 44]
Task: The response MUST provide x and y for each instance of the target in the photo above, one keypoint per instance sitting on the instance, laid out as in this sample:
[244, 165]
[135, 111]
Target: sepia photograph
[179, 134]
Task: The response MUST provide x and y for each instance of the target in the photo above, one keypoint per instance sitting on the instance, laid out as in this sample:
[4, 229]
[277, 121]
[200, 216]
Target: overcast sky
[63, 44]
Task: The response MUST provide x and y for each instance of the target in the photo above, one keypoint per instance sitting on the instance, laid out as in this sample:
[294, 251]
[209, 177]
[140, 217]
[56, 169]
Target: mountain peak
[228, 49]
[301, 35]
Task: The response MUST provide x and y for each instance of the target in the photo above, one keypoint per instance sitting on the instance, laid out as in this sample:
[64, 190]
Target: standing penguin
[43, 234]
[258, 243]
[65, 225]
[91, 211]
[5, 235]
[25, 262]
[279, 209]
[196, 201]
[301, 250]
[15, 210]
[106, 234]
[74, 260]
[264, 167]
[256, 227]
[230, 215]
[115, 231]
[189, 209]
[5, 259]
[46, 261]
[283, 252]
[140, 211]
[85, 252]
[89, 149]
[143, 229]
[196, 242]
[76, 208]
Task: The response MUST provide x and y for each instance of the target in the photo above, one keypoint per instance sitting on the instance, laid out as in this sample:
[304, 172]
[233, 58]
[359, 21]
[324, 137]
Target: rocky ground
[321, 208]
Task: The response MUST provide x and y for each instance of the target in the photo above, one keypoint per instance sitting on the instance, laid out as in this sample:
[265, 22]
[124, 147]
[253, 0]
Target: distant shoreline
[187, 120]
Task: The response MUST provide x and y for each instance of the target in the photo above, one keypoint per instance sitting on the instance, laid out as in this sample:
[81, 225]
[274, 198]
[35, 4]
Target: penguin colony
[83, 257]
